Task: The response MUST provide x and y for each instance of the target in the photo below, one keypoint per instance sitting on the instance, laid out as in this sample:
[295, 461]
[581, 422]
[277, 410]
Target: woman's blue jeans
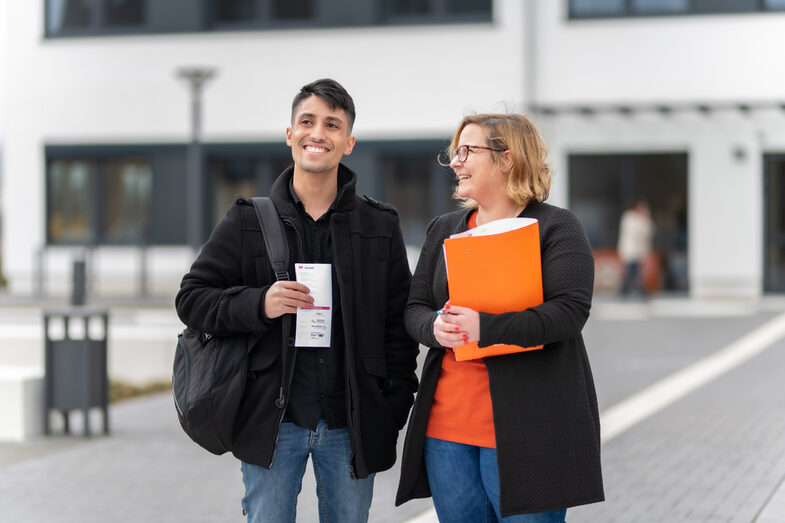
[464, 482]
[271, 494]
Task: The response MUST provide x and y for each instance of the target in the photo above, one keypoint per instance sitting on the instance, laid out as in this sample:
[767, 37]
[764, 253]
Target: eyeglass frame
[469, 149]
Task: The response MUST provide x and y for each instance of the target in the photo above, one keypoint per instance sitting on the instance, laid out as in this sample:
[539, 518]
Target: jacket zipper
[350, 373]
[291, 224]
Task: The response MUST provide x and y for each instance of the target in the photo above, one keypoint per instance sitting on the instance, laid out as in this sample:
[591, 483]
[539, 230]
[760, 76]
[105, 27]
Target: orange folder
[495, 268]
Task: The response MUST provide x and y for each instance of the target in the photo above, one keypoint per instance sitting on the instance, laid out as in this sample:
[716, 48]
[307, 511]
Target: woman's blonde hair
[530, 177]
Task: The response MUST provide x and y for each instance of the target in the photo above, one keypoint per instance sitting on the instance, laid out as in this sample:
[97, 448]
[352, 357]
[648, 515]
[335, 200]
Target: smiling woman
[469, 444]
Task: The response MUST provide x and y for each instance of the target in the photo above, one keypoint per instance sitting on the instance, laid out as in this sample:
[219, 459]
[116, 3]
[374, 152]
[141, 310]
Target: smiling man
[351, 365]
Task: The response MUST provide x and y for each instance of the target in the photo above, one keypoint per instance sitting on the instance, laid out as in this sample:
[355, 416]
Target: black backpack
[209, 372]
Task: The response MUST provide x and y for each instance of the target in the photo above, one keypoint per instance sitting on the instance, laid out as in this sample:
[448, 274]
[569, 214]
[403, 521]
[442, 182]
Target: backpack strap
[278, 254]
[274, 236]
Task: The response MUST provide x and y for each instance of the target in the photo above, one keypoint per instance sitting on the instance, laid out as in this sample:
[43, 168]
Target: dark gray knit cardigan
[544, 403]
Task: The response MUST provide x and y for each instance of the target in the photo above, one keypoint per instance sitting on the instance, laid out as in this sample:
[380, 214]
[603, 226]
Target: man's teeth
[313, 149]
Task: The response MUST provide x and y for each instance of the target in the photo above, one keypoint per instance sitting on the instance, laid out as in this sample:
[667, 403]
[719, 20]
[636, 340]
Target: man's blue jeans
[464, 482]
[271, 494]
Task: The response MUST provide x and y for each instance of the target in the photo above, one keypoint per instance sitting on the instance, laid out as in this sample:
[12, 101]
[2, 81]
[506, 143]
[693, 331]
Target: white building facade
[677, 105]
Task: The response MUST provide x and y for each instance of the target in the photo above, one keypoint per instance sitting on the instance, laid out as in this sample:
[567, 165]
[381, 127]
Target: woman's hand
[456, 326]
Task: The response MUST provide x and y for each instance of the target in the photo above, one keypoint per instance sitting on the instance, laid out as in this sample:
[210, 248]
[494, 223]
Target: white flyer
[315, 325]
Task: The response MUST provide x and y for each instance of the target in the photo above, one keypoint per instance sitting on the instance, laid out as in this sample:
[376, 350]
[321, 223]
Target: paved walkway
[146, 471]
[714, 454]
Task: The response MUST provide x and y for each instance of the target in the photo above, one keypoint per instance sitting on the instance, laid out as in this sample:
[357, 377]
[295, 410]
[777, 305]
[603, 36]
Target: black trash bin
[76, 375]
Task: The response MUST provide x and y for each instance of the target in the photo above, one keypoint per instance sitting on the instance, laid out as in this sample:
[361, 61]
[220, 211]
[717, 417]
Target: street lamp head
[196, 75]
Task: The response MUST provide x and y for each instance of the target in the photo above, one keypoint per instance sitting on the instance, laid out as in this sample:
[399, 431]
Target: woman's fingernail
[457, 328]
[446, 305]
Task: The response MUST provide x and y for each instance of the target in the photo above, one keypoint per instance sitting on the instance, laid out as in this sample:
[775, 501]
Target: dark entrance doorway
[774, 224]
[602, 186]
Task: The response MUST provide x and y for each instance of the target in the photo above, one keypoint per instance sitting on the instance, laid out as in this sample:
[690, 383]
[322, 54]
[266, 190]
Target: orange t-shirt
[462, 411]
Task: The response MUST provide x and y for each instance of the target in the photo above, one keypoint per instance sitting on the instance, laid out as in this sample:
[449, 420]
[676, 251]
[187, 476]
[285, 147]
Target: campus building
[680, 102]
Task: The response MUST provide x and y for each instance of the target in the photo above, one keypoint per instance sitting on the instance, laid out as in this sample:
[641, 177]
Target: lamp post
[196, 77]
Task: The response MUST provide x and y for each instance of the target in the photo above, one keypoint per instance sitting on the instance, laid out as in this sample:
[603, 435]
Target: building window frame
[262, 18]
[166, 210]
[98, 24]
[629, 9]
[204, 17]
[96, 213]
[774, 166]
[438, 11]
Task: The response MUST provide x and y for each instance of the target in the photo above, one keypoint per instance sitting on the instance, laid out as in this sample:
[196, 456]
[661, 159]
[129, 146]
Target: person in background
[636, 230]
[513, 438]
[346, 401]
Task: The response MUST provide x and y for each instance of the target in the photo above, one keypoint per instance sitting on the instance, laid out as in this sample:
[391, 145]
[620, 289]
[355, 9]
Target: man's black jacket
[224, 291]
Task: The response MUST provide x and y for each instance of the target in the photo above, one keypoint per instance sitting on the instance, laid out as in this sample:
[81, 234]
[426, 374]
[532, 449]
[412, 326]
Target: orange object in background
[495, 272]
[609, 271]
[652, 272]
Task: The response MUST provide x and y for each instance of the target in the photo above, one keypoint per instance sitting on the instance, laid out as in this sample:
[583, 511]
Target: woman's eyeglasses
[462, 152]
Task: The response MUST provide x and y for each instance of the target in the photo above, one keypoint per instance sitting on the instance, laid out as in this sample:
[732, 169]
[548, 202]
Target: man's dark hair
[331, 92]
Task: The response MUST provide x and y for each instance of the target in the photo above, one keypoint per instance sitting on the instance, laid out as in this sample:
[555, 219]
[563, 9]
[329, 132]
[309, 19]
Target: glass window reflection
[660, 6]
[98, 200]
[419, 188]
[69, 196]
[62, 15]
[124, 12]
[469, 6]
[596, 7]
[125, 195]
[410, 7]
[234, 10]
[774, 280]
[230, 177]
[292, 9]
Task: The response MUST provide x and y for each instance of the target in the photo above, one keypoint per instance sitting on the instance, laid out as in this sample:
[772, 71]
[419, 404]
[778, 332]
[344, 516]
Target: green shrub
[121, 390]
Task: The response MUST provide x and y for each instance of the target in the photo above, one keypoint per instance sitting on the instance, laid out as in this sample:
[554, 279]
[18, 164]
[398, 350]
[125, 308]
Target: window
[581, 8]
[469, 6]
[234, 10]
[660, 6]
[133, 194]
[84, 17]
[123, 12]
[126, 185]
[438, 10]
[774, 224]
[410, 7]
[231, 176]
[627, 8]
[235, 171]
[262, 13]
[69, 18]
[99, 199]
[419, 188]
[64, 15]
[292, 9]
[70, 200]
[601, 186]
